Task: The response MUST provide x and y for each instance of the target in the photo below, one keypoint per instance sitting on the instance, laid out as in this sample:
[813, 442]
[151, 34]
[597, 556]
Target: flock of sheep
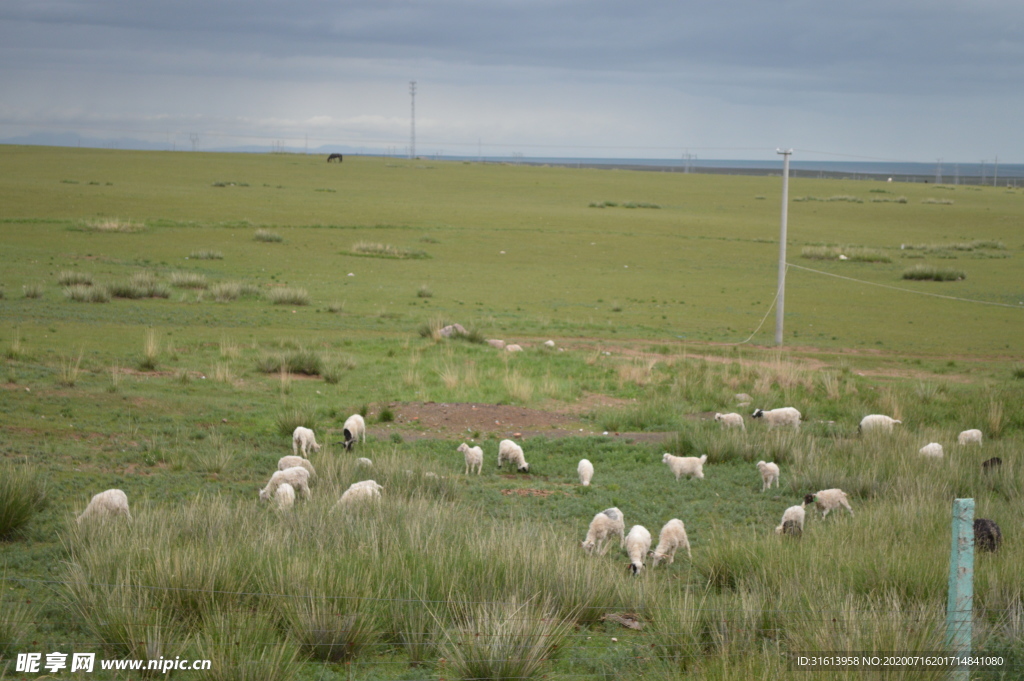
[295, 473]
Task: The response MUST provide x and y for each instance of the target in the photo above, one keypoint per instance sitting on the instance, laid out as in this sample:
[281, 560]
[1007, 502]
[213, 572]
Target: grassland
[185, 400]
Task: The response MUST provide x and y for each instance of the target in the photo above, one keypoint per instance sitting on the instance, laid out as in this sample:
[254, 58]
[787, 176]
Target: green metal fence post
[960, 604]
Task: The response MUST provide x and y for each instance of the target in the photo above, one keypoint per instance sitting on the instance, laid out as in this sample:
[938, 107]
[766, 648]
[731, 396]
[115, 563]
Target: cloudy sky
[879, 79]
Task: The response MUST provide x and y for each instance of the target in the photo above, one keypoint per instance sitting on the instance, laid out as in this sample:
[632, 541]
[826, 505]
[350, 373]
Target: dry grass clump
[288, 296]
[82, 293]
[378, 250]
[32, 290]
[266, 236]
[932, 273]
[206, 255]
[192, 280]
[74, 278]
[142, 284]
[114, 225]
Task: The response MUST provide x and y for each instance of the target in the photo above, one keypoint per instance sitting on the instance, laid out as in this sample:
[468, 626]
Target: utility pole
[412, 136]
[194, 138]
[781, 302]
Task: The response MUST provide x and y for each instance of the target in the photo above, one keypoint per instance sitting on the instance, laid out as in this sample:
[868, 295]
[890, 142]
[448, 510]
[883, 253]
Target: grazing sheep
[991, 464]
[513, 348]
[792, 521]
[932, 449]
[112, 502]
[638, 543]
[303, 438]
[297, 477]
[354, 429]
[877, 422]
[359, 491]
[783, 416]
[686, 465]
[474, 457]
[285, 496]
[827, 500]
[549, 343]
[293, 461]
[731, 420]
[987, 536]
[363, 461]
[972, 436]
[605, 525]
[769, 474]
[672, 536]
[453, 330]
[585, 469]
[495, 343]
[513, 453]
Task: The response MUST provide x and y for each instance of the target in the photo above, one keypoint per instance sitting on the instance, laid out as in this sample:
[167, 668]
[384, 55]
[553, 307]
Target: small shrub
[385, 415]
[32, 290]
[267, 236]
[300, 361]
[941, 202]
[69, 370]
[336, 307]
[206, 255]
[932, 273]
[142, 284]
[378, 250]
[226, 291]
[424, 292]
[22, 496]
[114, 225]
[288, 296]
[74, 278]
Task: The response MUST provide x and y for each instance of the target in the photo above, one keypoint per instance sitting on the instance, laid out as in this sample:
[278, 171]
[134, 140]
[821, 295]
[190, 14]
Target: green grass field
[166, 320]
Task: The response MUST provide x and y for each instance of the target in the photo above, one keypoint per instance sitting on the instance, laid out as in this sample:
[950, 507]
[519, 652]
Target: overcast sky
[880, 79]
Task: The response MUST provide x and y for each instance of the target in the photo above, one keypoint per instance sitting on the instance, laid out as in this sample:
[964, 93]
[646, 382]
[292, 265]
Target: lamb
[360, 491]
[285, 496]
[731, 420]
[110, 503]
[969, 437]
[828, 500]
[354, 429]
[783, 416]
[297, 477]
[686, 465]
[304, 438]
[769, 474]
[932, 449]
[792, 521]
[672, 536]
[474, 457]
[876, 422]
[991, 465]
[513, 453]
[293, 461]
[987, 536]
[638, 543]
[585, 469]
[605, 524]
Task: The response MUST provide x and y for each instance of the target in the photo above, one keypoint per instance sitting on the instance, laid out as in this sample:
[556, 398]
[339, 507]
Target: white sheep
[732, 420]
[363, 461]
[969, 436]
[769, 474]
[357, 491]
[585, 470]
[293, 461]
[672, 536]
[932, 449]
[783, 416]
[828, 500]
[638, 543]
[474, 457]
[549, 343]
[110, 503]
[354, 429]
[691, 466]
[513, 453]
[513, 348]
[285, 496]
[496, 343]
[877, 422]
[297, 477]
[793, 514]
[605, 525]
[304, 438]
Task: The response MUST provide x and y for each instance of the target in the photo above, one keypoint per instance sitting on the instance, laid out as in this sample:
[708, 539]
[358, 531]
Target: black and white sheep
[511, 452]
[792, 521]
[638, 543]
[828, 500]
[354, 429]
[783, 416]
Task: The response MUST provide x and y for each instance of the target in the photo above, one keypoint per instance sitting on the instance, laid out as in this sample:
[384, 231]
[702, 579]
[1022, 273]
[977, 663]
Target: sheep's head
[655, 558]
[718, 417]
[666, 457]
[758, 413]
[761, 465]
[264, 494]
[315, 447]
[587, 546]
[636, 569]
[808, 499]
[524, 468]
[464, 448]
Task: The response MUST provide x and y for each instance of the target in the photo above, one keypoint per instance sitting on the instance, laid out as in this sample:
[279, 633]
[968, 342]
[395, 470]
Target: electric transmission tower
[412, 121]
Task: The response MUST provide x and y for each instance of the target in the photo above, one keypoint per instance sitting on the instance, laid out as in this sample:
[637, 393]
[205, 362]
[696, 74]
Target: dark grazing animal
[991, 464]
[335, 157]
[987, 536]
[791, 528]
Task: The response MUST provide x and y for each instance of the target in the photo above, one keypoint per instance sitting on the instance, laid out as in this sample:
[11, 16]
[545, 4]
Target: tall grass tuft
[932, 273]
[142, 284]
[73, 278]
[246, 646]
[290, 418]
[300, 361]
[192, 280]
[32, 290]
[15, 350]
[266, 236]
[150, 351]
[114, 225]
[503, 640]
[22, 496]
[206, 255]
[69, 369]
[226, 291]
[81, 293]
[378, 250]
[288, 296]
[15, 618]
